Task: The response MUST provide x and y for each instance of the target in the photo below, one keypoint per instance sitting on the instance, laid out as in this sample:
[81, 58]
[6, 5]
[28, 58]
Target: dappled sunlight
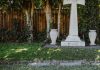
[54, 50]
[58, 49]
[48, 52]
[39, 49]
[21, 50]
[6, 55]
[98, 55]
[98, 50]
[97, 58]
[99, 5]
[14, 51]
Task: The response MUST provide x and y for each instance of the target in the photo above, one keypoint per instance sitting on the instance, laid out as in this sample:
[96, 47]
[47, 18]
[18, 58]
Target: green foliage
[88, 18]
[38, 3]
[24, 35]
[40, 36]
[4, 34]
[14, 34]
[8, 5]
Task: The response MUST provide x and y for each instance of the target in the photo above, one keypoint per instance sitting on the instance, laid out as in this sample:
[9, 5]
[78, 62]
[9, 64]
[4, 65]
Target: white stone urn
[92, 36]
[53, 36]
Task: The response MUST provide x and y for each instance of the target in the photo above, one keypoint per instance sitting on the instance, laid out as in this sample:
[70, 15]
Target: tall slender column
[73, 39]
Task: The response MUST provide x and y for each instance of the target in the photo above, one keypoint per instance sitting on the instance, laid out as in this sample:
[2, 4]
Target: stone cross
[73, 37]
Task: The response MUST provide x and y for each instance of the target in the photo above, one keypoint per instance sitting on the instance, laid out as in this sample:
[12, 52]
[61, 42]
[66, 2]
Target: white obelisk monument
[73, 39]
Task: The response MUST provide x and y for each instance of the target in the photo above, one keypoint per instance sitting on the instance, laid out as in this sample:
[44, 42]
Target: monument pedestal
[72, 41]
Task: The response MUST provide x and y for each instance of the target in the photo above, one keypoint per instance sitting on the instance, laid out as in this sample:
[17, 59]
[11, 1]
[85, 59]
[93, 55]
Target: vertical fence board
[39, 20]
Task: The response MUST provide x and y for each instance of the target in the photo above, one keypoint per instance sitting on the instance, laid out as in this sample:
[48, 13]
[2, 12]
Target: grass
[30, 52]
[27, 67]
[13, 51]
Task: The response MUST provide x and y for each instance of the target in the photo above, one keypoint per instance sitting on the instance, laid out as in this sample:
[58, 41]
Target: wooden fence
[7, 19]
[39, 20]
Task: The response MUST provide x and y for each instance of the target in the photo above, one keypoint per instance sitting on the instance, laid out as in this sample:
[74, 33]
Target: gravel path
[55, 46]
[64, 63]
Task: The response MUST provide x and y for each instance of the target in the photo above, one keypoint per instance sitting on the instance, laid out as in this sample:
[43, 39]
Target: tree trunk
[29, 21]
[27, 17]
[48, 17]
[59, 16]
[29, 24]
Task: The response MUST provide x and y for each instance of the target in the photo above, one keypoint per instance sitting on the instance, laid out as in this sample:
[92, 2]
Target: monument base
[72, 41]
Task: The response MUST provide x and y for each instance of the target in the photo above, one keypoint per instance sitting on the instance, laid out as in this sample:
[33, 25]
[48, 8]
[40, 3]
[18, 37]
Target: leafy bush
[24, 35]
[40, 36]
[88, 18]
[13, 35]
[4, 35]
